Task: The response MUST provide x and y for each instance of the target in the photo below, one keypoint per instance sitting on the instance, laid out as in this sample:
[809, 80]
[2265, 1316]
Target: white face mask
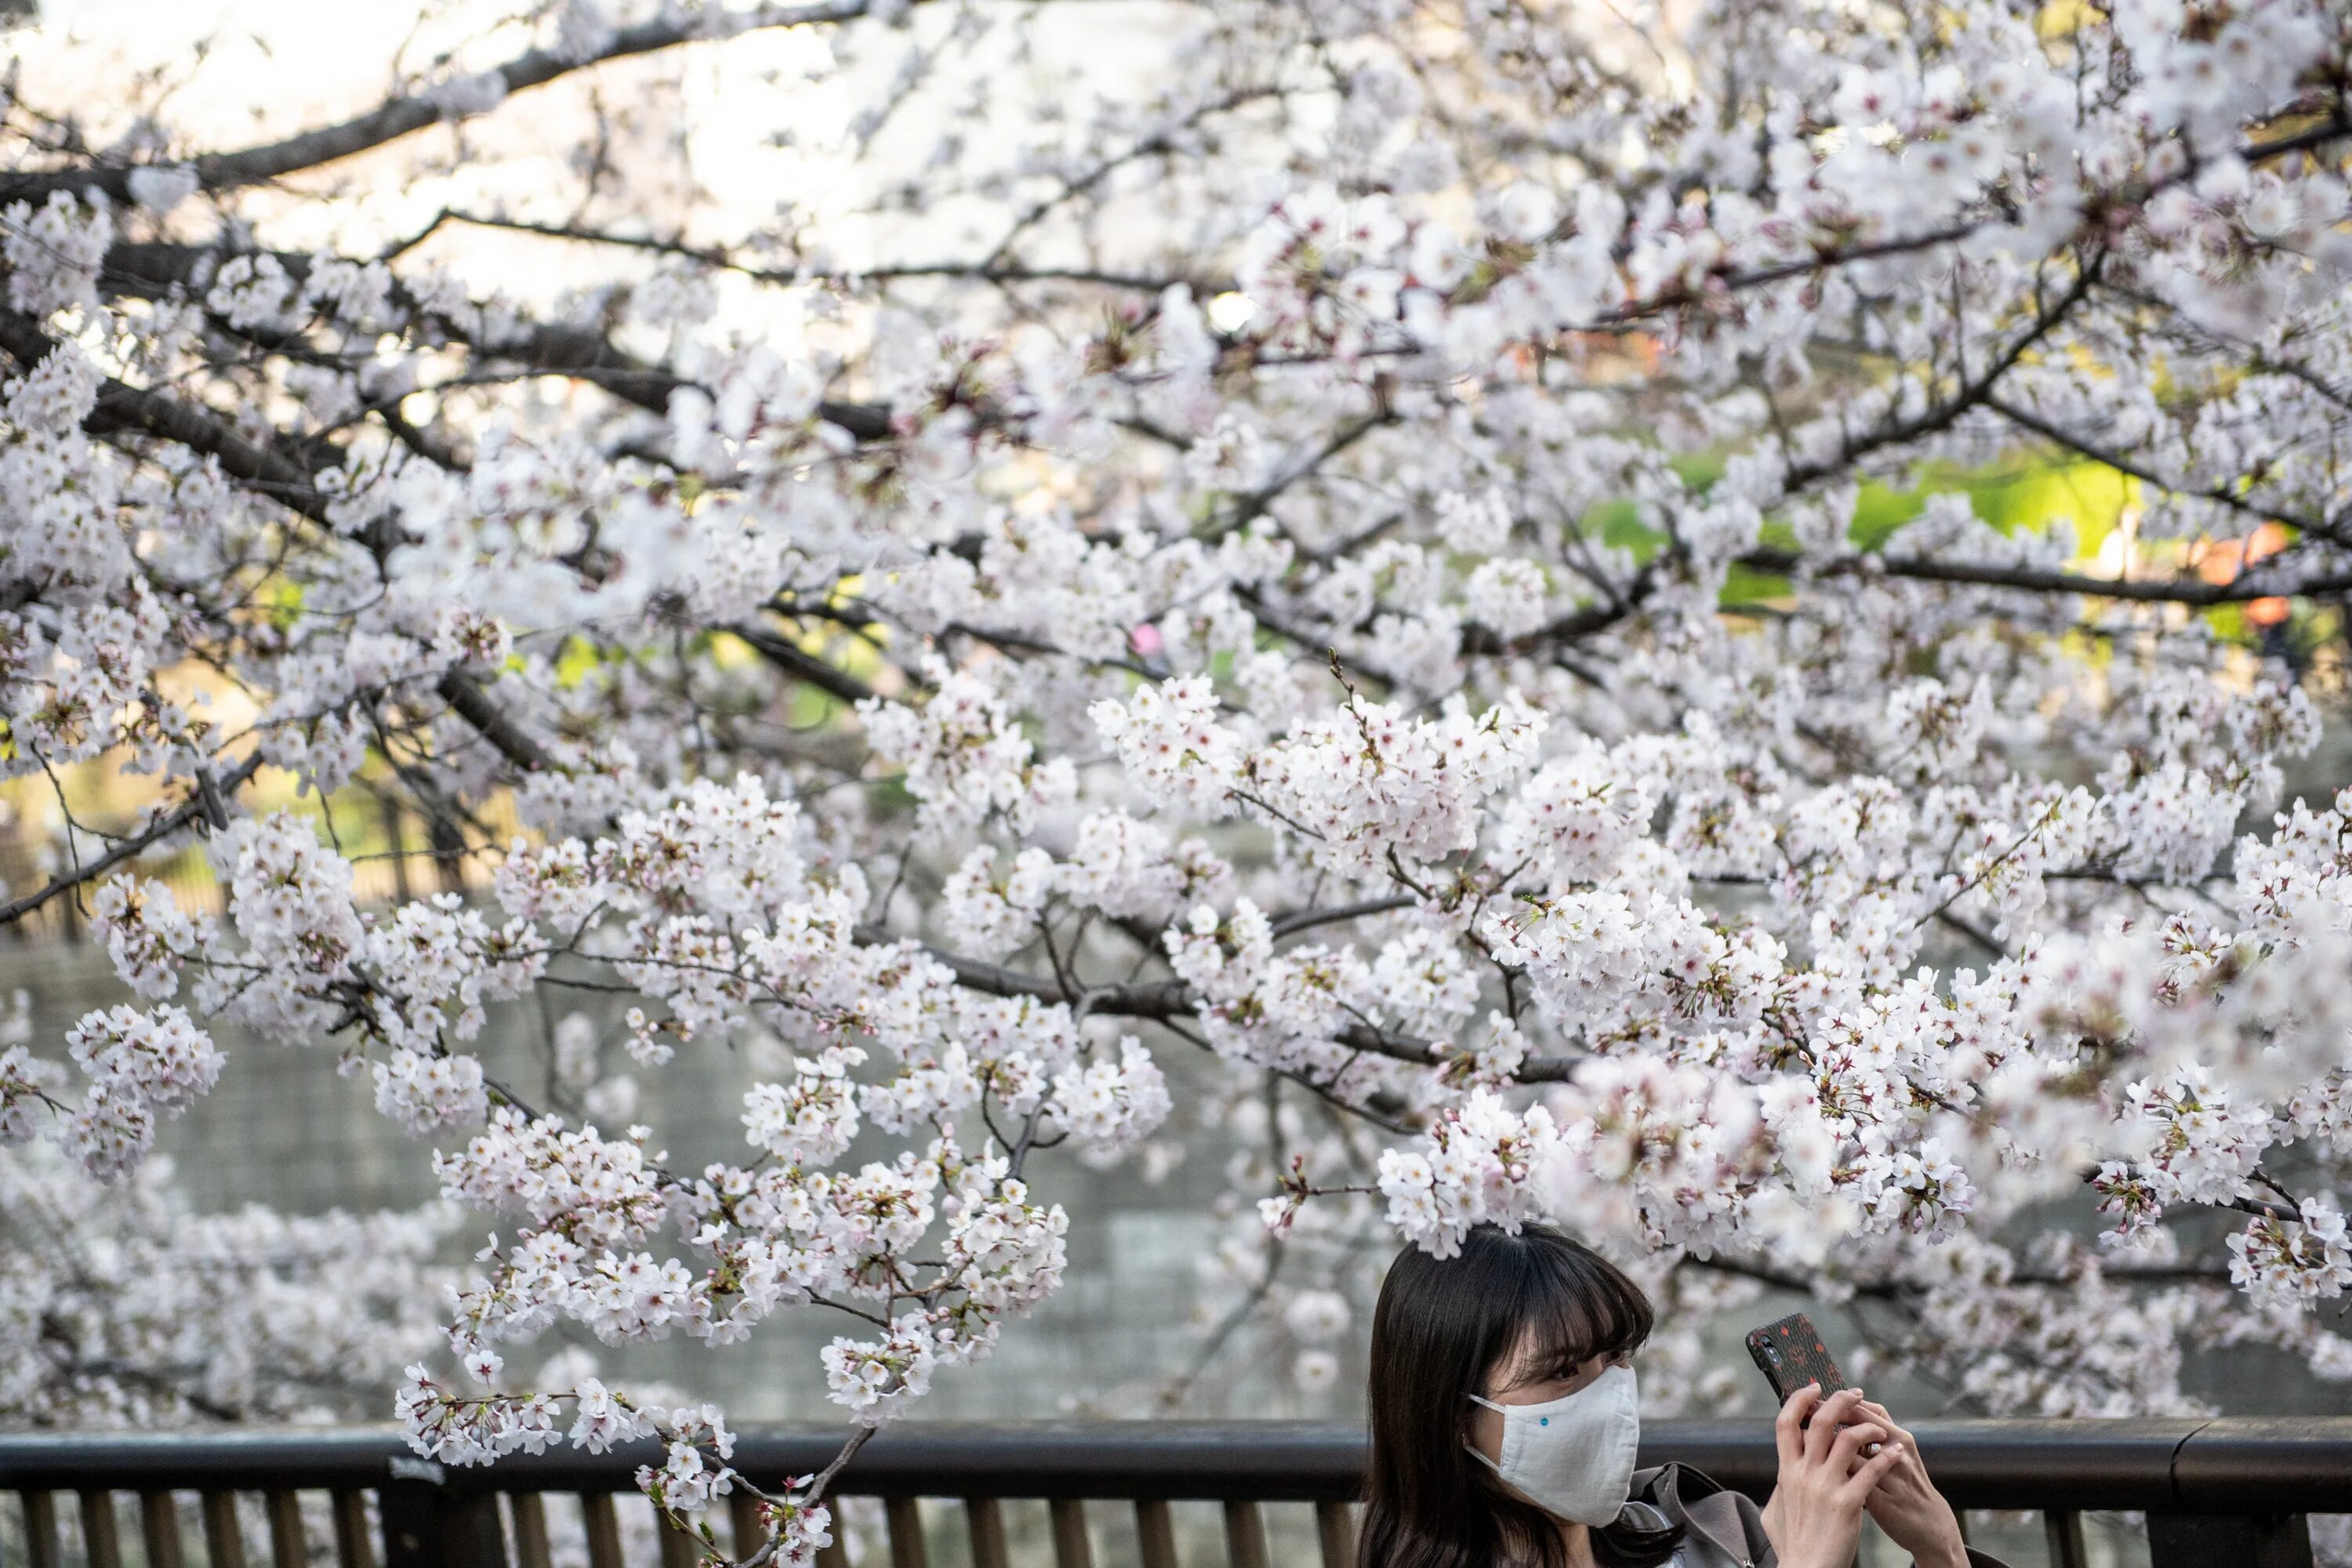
[1574, 1456]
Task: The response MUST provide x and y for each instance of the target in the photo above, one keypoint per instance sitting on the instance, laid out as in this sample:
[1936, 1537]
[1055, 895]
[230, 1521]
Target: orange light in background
[2219, 561]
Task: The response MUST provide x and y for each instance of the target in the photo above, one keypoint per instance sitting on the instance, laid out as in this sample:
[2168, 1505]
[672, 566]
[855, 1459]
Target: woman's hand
[1814, 1519]
[1907, 1506]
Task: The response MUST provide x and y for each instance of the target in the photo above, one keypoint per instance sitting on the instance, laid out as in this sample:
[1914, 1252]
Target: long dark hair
[1441, 1324]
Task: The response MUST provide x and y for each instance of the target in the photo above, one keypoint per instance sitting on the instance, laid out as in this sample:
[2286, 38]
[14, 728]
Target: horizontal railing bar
[2011, 1464]
[2260, 1465]
[2230, 1465]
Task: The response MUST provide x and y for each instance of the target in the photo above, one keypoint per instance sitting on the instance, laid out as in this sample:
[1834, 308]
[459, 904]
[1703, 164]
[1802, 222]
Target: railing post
[41, 1543]
[223, 1542]
[1335, 1526]
[1245, 1533]
[531, 1529]
[351, 1530]
[907, 1549]
[2062, 1527]
[603, 1523]
[159, 1526]
[288, 1549]
[1155, 1532]
[428, 1526]
[101, 1542]
[2228, 1541]
[1073, 1547]
[678, 1549]
[743, 1515]
[984, 1517]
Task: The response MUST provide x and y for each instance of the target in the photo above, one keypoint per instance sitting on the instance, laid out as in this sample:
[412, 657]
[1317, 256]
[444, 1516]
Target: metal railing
[2231, 1493]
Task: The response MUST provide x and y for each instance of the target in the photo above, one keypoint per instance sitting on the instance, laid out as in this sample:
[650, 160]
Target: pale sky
[277, 67]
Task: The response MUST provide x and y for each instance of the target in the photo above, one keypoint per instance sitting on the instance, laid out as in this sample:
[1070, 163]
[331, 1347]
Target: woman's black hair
[1441, 1325]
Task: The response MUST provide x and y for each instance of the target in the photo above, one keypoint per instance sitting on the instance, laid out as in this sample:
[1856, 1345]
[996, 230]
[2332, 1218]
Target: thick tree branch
[1174, 999]
[2174, 591]
[124, 407]
[803, 665]
[512, 741]
[1797, 1282]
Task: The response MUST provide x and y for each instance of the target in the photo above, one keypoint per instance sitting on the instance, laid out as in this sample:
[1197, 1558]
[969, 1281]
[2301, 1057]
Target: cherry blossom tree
[1444, 557]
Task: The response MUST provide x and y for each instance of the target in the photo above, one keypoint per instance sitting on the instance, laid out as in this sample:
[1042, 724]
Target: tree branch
[718, 257]
[414, 111]
[199, 806]
[1166, 999]
[1972, 394]
[2221, 495]
[470, 702]
[120, 406]
[803, 665]
[1306, 920]
[2175, 590]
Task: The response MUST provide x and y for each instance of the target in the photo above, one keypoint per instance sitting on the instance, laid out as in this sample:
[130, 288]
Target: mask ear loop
[1472, 1448]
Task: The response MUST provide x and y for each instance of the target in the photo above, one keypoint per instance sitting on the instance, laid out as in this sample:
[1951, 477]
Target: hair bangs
[1574, 1307]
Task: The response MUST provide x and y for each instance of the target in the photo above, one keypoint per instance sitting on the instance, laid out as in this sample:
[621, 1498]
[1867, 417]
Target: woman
[1504, 1422]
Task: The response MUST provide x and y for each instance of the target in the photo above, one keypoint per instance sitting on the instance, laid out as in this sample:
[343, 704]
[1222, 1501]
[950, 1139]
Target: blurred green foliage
[2031, 494]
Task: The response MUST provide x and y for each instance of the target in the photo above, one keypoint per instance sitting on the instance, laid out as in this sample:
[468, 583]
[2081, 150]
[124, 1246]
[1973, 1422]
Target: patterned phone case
[1790, 1354]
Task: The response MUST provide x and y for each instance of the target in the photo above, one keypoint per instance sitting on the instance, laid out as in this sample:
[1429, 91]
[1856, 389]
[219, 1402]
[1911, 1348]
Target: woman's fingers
[1789, 1427]
[1864, 1481]
[1884, 1417]
[1848, 1445]
[1837, 1409]
[1897, 1433]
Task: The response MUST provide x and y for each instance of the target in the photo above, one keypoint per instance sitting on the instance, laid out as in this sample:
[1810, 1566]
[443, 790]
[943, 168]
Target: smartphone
[1791, 1353]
